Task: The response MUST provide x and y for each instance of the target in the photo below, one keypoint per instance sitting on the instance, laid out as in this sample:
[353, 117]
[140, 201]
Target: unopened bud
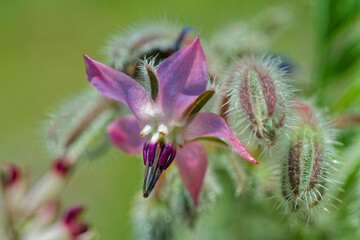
[236, 40]
[76, 129]
[155, 39]
[68, 228]
[71, 221]
[306, 170]
[259, 100]
[152, 220]
[13, 185]
[9, 175]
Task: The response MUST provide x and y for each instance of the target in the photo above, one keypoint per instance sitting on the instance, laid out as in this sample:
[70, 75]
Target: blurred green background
[41, 43]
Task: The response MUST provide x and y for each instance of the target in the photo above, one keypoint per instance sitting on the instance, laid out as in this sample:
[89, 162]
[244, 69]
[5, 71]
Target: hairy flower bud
[306, 168]
[241, 38]
[159, 39]
[259, 100]
[152, 220]
[76, 129]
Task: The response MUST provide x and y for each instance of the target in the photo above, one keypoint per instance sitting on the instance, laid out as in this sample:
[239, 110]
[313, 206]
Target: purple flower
[166, 122]
[72, 223]
[9, 175]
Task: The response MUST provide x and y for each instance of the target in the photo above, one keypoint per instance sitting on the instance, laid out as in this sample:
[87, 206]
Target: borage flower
[166, 121]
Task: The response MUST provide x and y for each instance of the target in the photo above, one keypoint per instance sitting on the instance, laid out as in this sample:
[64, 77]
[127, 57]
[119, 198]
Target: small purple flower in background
[165, 122]
[9, 175]
[72, 223]
[70, 227]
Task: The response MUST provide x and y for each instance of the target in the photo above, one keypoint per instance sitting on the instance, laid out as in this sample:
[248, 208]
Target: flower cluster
[32, 213]
[161, 96]
[167, 120]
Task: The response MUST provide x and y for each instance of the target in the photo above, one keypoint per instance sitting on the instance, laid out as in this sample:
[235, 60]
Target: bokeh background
[41, 43]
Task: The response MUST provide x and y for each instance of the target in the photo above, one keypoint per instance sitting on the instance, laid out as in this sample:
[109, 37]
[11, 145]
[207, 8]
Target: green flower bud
[152, 219]
[259, 101]
[160, 39]
[308, 163]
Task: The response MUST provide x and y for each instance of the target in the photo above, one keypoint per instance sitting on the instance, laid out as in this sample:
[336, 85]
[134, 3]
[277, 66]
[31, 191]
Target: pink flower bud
[13, 185]
[70, 227]
[71, 220]
[9, 175]
[62, 166]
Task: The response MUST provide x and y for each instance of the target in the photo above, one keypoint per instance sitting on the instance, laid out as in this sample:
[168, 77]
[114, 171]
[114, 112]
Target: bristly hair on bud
[76, 128]
[259, 101]
[147, 75]
[152, 220]
[308, 166]
[155, 38]
[240, 38]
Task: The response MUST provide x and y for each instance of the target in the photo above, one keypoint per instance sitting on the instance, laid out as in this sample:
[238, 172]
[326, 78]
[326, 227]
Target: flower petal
[192, 162]
[182, 77]
[119, 86]
[124, 133]
[206, 124]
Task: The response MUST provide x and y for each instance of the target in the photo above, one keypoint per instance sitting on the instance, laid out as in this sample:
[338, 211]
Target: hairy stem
[87, 120]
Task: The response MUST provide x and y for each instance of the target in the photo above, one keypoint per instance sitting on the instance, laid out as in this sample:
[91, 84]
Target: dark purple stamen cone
[157, 156]
[145, 150]
[171, 158]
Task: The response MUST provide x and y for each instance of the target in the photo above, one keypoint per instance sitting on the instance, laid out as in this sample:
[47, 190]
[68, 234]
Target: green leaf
[346, 57]
[199, 102]
[154, 82]
[212, 139]
[351, 170]
[348, 97]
